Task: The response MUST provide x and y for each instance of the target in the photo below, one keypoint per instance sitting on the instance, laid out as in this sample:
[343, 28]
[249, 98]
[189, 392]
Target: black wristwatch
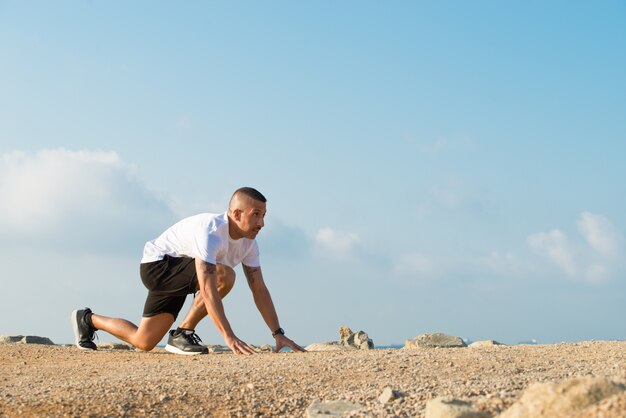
[278, 331]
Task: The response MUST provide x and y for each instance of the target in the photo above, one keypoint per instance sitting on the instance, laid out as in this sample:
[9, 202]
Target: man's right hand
[238, 346]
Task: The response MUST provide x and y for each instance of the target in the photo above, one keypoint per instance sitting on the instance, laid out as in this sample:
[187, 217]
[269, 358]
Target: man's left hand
[282, 341]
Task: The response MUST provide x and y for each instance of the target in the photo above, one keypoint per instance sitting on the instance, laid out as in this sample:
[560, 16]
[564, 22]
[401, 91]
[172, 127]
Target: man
[197, 253]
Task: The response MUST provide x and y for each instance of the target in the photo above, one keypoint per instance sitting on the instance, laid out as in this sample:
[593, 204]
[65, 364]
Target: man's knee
[145, 345]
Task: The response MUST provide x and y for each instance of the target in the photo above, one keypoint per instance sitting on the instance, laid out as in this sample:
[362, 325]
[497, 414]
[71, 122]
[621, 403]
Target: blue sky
[430, 167]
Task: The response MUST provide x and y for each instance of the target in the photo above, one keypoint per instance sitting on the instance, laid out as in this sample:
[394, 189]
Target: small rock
[443, 407]
[250, 386]
[10, 339]
[164, 398]
[436, 340]
[362, 341]
[344, 333]
[388, 395]
[486, 343]
[331, 409]
[562, 400]
[329, 346]
[29, 339]
[358, 339]
[115, 346]
[217, 349]
[348, 340]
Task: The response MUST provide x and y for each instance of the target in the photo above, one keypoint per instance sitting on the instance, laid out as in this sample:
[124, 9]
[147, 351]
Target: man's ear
[237, 214]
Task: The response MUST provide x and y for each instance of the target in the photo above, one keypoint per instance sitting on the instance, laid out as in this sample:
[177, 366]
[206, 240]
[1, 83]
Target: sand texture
[38, 380]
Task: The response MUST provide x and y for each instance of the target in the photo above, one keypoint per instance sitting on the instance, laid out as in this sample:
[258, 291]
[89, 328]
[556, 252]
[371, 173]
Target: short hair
[250, 192]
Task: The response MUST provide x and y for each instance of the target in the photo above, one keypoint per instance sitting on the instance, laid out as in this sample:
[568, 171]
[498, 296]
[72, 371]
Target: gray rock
[443, 407]
[10, 339]
[31, 339]
[28, 339]
[331, 409]
[562, 400]
[437, 340]
[486, 343]
[358, 339]
[362, 341]
[115, 346]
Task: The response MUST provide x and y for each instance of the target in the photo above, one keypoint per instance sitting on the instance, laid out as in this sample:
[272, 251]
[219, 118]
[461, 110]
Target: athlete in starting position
[197, 253]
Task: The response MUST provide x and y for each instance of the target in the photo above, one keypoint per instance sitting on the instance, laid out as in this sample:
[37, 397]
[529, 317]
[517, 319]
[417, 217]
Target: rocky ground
[37, 380]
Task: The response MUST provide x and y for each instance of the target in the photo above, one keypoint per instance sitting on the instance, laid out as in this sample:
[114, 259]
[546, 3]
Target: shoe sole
[74, 319]
[175, 350]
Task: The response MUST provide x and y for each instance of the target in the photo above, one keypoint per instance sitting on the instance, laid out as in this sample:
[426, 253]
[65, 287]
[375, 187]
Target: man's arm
[264, 304]
[207, 282]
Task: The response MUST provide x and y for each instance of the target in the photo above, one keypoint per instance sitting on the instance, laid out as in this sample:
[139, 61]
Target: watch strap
[278, 331]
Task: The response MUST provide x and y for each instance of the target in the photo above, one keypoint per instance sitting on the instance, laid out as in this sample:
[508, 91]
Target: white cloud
[595, 260]
[339, 243]
[557, 248]
[38, 190]
[600, 234]
[74, 199]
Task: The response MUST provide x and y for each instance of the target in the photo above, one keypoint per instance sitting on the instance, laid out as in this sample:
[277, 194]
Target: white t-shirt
[203, 236]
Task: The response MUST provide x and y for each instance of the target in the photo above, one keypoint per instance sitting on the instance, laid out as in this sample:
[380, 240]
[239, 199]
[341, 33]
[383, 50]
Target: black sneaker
[187, 343]
[84, 333]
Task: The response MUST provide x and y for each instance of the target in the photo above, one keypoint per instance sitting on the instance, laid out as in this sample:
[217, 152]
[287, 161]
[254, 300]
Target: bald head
[244, 197]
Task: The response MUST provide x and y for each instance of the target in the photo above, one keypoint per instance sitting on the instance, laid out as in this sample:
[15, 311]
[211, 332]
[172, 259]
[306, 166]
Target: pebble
[388, 395]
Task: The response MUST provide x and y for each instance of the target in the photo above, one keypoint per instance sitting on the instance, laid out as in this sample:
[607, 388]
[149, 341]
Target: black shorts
[168, 281]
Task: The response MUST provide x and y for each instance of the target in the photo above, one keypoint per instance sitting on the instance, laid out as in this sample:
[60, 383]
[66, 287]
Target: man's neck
[233, 230]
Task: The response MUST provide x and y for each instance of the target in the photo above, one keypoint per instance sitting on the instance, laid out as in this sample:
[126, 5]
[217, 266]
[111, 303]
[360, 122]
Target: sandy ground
[63, 381]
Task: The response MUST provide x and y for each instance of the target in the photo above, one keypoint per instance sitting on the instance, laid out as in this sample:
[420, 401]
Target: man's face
[252, 218]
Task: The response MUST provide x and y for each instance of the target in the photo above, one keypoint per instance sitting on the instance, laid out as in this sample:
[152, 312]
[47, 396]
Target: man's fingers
[244, 348]
[240, 347]
[248, 350]
[290, 344]
[296, 347]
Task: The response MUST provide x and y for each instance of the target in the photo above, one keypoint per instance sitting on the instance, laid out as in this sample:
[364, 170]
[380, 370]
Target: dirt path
[63, 381]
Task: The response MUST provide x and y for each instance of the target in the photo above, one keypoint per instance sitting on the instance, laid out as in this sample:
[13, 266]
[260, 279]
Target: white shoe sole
[175, 350]
[74, 319]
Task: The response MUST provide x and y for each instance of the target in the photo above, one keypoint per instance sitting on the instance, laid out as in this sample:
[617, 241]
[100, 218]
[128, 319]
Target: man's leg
[225, 283]
[145, 337]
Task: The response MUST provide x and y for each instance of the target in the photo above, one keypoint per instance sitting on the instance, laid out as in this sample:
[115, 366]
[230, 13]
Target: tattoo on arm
[211, 268]
[250, 272]
[205, 271]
